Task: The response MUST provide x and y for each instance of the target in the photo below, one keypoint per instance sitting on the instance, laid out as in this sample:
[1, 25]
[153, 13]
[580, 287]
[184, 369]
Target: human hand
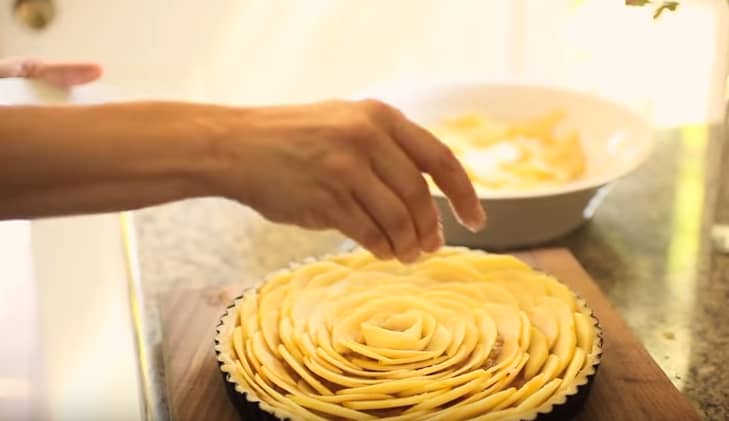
[62, 74]
[353, 166]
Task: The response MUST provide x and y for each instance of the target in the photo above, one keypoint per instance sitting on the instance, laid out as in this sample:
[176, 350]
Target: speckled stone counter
[648, 248]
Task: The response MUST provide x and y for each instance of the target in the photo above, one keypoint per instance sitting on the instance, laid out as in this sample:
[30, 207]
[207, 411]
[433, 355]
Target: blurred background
[254, 51]
[64, 314]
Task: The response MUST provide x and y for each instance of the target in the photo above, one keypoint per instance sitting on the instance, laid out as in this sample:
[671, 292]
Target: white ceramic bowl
[616, 141]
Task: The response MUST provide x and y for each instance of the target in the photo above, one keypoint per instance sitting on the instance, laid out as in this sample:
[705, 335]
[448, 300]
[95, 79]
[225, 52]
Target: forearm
[353, 166]
[80, 159]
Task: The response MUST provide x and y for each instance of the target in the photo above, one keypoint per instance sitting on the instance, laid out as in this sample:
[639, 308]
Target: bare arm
[352, 166]
[60, 160]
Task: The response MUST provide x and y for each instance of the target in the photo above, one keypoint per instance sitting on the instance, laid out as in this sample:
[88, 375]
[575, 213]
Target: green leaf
[667, 5]
[637, 2]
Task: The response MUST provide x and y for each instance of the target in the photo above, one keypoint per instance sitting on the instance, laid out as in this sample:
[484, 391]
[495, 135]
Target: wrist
[218, 158]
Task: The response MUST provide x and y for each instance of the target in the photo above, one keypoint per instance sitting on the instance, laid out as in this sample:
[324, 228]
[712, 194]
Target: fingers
[433, 157]
[354, 222]
[11, 67]
[390, 214]
[66, 74]
[399, 173]
[368, 159]
[63, 74]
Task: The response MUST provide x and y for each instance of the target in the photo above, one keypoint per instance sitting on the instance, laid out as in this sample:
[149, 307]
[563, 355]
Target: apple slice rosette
[458, 335]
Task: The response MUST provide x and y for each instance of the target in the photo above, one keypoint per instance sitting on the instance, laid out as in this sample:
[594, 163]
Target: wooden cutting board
[629, 384]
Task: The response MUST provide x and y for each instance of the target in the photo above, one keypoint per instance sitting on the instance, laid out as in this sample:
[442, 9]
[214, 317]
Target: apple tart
[458, 335]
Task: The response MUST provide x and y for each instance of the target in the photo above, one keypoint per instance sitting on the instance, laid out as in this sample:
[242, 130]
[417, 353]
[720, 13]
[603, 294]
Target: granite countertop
[648, 247]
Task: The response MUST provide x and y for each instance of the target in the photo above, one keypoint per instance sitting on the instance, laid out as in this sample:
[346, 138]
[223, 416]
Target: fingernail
[478, 223]
[475, 227]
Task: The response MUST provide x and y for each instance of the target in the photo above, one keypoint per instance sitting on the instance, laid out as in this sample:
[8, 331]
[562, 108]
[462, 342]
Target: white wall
[672, 68]
[273, 50]
[257, 51]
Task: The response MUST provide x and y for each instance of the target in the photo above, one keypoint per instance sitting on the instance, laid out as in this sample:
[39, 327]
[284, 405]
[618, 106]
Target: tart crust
[565, 400]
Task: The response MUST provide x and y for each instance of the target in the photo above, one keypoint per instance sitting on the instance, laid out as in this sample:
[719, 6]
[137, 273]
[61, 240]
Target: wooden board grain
[629, 385]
